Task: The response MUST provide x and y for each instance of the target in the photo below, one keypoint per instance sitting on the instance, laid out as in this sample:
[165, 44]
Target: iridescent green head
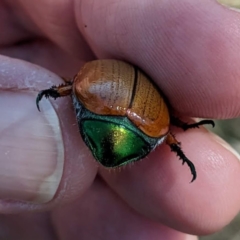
[113, 141]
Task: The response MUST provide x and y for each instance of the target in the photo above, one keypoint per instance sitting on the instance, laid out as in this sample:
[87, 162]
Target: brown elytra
[111, 87]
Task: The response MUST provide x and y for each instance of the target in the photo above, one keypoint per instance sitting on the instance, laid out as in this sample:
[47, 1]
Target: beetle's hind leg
[185, 126]
[54, 92]
[175, 147]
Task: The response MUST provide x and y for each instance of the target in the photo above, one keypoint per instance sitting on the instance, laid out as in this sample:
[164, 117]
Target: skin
[192, 54]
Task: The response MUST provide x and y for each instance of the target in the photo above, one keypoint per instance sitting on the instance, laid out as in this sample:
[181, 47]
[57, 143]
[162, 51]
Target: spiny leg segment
[175, 147]
[54, 92]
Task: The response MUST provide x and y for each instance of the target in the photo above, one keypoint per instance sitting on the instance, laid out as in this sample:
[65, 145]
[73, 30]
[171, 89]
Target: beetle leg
[175, 147]
[54, 92]
[185, 126]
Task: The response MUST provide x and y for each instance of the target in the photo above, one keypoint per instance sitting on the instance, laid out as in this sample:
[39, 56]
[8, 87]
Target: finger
[43, 159]
[52, 20]
[41, 35]
[17, 226]
[76, 219]
[159, 186]
[185, 46]
[46, 54]
[100, 207]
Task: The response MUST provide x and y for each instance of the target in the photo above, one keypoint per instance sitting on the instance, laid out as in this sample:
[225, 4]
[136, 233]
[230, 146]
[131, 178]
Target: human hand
[187, 49]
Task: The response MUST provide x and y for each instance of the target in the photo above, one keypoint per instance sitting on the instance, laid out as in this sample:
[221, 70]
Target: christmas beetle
[121, 114]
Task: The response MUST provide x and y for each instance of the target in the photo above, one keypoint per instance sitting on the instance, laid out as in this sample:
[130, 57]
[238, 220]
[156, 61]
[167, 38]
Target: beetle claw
[39, 98]
[175, 148]
[51, 92]
[187, 126]
[172, 142]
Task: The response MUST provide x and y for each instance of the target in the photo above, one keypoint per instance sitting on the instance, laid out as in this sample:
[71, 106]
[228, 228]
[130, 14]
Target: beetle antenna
[172, 142]
[185, 126]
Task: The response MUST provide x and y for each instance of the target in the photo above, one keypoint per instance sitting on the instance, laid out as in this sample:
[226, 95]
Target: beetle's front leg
[54, 92]
[185, 126]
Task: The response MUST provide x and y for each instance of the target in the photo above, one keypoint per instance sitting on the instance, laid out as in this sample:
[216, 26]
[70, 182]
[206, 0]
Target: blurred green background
[232, 3]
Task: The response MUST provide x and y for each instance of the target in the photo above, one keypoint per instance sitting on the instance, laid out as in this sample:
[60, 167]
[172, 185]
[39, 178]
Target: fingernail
[232, 4]
[31, 148]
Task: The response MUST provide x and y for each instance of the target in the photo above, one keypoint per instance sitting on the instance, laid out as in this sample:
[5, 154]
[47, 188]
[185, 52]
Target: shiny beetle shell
[115, 88]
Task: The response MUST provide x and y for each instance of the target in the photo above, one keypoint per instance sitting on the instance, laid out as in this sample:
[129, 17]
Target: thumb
[38, 164]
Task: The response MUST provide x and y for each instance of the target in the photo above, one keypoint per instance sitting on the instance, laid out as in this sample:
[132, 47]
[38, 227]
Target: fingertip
[158, 186]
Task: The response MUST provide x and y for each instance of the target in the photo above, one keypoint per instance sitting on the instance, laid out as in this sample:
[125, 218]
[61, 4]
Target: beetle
[121, 114]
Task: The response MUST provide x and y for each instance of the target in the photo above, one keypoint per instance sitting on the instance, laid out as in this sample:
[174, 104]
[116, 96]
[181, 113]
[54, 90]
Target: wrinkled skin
[192, 55]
